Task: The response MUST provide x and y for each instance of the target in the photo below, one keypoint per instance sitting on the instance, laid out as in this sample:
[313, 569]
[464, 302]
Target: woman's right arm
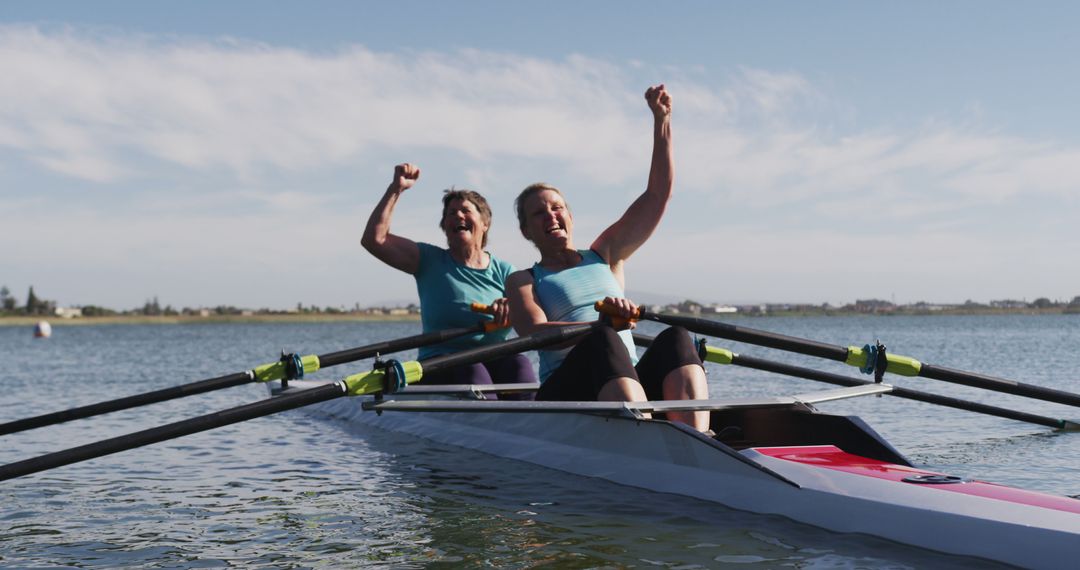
[396, 251]
[525, 313]
[528, 317]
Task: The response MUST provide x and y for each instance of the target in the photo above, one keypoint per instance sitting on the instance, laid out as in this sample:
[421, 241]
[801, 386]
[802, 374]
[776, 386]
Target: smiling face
[464, 223]
[546, 219]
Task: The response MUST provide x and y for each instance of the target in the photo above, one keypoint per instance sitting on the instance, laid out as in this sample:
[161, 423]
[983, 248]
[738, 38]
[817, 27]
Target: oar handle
[482, 308]
[487, 310]
[612, 312]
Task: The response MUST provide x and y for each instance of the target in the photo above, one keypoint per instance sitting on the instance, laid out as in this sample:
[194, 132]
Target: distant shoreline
[23, 320]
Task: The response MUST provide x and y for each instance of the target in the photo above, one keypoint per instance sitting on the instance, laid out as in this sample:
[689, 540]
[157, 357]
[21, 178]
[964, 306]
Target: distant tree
[95, 311]
[151, 307]
[1075, 301]
[7, 302]
[1042, 303]
[33, 304]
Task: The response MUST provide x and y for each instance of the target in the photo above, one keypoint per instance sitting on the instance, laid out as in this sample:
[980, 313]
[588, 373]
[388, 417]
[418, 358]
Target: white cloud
[94, 108]
[253, 120]
[246, 106]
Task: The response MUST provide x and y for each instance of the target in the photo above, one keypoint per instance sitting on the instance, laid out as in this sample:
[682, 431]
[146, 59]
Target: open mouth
[555, 228]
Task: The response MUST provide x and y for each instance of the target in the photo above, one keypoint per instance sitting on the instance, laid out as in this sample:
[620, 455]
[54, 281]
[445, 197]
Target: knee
[677, 339]
[523, 369]
[602, 337]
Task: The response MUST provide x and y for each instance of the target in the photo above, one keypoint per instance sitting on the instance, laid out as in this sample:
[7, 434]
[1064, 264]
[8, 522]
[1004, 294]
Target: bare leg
[687, 383]
[623, 390]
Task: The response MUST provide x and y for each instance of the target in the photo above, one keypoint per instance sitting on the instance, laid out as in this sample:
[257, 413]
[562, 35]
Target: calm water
[297, 491]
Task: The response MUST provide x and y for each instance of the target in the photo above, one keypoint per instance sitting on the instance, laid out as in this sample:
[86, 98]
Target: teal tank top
[570, 295]
[447, 288]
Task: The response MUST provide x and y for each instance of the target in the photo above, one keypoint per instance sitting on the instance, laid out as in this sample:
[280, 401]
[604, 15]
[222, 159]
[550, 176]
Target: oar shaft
[136, 400]
[289, 400]
[513, 346]
[426, 339]
[810, 374]
[230, 380]
[836, 379]
[842, 354]
[752, 336]
[186, 427]
[998, 384]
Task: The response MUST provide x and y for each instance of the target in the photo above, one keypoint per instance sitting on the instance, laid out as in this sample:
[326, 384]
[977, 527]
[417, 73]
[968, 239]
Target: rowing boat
[777, 455]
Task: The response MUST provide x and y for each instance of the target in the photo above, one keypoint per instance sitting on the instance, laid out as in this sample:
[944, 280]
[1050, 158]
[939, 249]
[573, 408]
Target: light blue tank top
[570, 295]
[447, 288]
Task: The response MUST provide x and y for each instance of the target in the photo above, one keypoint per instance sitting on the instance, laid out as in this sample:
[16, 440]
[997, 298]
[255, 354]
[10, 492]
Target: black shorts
[601, 356]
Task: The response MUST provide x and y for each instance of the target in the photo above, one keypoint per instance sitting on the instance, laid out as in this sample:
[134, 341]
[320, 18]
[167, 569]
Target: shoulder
[519, 278]
[431, 257]
[501, 266]
[592, 255]
[429, 251]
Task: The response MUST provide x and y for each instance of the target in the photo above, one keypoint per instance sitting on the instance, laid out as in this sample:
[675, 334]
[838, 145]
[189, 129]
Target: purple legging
[506, 370]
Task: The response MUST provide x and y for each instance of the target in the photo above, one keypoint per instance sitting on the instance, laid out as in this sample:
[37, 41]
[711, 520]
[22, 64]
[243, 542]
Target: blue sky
[229, 153]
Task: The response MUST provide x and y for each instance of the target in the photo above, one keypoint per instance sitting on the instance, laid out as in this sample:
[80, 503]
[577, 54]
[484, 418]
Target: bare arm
[396, 251]
[525, 312]
[619, 241]
[528, 317]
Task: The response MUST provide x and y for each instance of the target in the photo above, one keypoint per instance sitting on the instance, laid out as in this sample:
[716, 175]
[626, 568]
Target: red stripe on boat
[831, 457]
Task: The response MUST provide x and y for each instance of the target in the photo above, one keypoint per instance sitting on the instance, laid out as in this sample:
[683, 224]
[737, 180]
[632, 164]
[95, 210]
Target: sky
[229, 153]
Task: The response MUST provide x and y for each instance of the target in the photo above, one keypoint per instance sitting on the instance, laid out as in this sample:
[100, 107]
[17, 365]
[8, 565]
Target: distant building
[68, 312]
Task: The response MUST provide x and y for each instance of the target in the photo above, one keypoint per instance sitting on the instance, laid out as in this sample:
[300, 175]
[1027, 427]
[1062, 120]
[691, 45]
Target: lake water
[297, 491]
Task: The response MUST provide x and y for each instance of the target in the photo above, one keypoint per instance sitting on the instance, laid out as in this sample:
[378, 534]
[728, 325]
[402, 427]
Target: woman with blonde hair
[563, 286]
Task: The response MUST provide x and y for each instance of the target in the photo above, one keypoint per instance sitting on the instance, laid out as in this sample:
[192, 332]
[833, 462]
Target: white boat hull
[1014, 527]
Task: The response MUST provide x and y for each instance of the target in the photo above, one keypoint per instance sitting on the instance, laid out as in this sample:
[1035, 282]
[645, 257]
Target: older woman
[450, 279]
[564, 285]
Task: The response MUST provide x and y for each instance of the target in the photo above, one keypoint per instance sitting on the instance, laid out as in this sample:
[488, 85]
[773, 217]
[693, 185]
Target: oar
[723, 356]
[855, 356]
[394, 376]
[288, 367]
